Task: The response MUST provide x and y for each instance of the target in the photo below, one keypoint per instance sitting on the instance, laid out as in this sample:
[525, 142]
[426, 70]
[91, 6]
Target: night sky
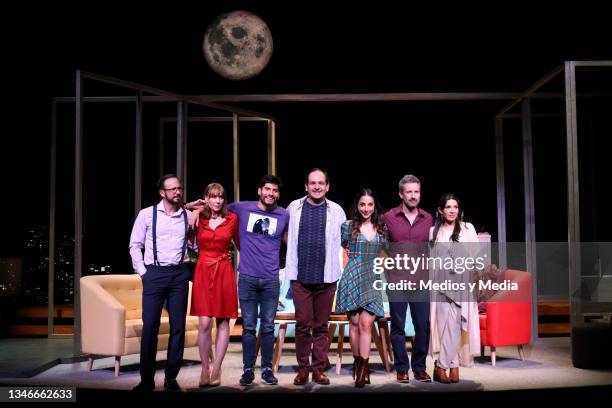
[317, 49]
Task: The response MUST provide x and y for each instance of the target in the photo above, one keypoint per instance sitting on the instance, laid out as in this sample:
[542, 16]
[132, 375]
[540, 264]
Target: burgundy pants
[313, 305]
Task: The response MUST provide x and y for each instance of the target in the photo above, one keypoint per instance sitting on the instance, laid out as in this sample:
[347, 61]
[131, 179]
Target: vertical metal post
[52, 185]
[181, 145]
[235, 149]
[501, 193]
[138, 156]
[78, 212]
[271, 147]
[530, 234]
[573, 192]
[160, 148]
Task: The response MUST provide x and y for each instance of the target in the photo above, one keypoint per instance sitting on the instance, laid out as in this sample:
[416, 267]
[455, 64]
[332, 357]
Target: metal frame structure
[213, 101]
[271, 143]
[182, 119]
[573, 198]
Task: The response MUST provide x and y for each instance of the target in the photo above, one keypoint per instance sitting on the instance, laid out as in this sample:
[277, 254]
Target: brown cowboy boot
[354, 369]
[362, 370]
[454, 374]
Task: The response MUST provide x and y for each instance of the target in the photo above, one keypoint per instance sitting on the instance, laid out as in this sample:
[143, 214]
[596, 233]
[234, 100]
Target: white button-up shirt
[170, 238]
[335, 219]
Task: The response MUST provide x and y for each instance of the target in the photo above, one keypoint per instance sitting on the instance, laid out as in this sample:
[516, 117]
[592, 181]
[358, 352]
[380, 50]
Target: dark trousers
[169, 284]
[257, 294]
[313, 305]
[419, 312]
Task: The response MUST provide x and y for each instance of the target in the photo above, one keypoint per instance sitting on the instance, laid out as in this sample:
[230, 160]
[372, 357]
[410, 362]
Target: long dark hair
[439, 220]
[357, 219]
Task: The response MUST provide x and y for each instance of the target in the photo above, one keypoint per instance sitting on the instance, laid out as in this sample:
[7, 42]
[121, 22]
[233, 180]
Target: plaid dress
[356, 286]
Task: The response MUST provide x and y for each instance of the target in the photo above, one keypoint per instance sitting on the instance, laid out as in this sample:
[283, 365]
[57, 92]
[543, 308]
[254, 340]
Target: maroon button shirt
[410, 239]
[400, 228]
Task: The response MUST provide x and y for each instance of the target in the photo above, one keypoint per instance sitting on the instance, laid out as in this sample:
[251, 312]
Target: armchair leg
[381, 344]
[493, 356]
[520, 351]
[90, 362]
[384, 332]
[278, 347]
[330, 334]
[340, 348]
[117, 365]
[482, 351]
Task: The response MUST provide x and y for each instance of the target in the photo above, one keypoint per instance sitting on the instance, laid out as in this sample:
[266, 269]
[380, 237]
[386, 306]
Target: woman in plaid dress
[363, 238]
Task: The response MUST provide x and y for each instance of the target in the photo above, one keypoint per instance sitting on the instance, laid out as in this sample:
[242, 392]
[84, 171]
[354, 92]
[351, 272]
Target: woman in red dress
[214, 291]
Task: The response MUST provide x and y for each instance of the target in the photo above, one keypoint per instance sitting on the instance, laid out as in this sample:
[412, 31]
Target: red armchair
[507, 320]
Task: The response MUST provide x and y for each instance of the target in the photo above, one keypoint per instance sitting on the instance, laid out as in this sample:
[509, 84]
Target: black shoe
[267, 377]
[144, 386]
[171, 385]
[247, 377]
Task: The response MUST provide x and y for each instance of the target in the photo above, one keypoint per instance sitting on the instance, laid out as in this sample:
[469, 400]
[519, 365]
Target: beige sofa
[111, 318]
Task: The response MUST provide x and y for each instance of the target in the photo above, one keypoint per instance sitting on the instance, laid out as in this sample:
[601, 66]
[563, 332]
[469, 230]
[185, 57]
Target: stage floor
[547, 365]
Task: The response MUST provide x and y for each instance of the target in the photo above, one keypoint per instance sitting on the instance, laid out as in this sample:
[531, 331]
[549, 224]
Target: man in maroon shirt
[408, 227]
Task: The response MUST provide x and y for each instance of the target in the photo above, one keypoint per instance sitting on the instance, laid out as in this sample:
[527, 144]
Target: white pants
[448, 316]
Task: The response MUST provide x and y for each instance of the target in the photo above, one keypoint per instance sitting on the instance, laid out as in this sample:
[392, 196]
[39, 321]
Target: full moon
[237, 45]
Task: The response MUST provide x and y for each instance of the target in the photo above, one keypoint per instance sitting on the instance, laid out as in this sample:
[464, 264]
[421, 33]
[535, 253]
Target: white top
[170, 237]
[467, 234]
[470, 323]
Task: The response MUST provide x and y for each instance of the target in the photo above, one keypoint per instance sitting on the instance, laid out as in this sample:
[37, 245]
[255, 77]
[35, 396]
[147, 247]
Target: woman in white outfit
[455, 331]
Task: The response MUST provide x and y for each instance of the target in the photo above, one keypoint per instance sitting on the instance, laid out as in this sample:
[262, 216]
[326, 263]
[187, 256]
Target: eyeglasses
[175, 189]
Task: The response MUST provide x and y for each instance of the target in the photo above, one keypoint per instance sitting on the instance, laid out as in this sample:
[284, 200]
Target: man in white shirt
[313, 266]
[162, 230]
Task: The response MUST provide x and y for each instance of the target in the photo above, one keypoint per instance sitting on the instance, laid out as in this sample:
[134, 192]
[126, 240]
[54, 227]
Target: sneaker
[247, 377]
[267, 377]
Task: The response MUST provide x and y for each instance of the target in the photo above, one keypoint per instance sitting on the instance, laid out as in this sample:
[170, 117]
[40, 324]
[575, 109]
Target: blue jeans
[419, 311]
[257, 293]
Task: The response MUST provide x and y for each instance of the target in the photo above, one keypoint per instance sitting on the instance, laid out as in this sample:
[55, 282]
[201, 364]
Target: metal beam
[78, 212]
[181, 144]
[573, 191]
[52, 186]
[501, 194]
[603, 63]
[195, 99]
[206, 119]
[530, 233]
[531, 90]
[271, 147]
[344, 97]
[138, 156]
[236, 156]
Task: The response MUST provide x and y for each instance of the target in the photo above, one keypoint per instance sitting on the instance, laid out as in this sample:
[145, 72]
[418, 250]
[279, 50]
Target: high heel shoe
[354, 369]
[205, 378]
[215, 381]
[439, 374]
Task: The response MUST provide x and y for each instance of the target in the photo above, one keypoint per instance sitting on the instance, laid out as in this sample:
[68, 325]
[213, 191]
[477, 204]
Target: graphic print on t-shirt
[261, 224]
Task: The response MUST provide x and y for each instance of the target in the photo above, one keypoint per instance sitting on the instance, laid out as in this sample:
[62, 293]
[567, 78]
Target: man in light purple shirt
[162, 230]
[263, 225]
